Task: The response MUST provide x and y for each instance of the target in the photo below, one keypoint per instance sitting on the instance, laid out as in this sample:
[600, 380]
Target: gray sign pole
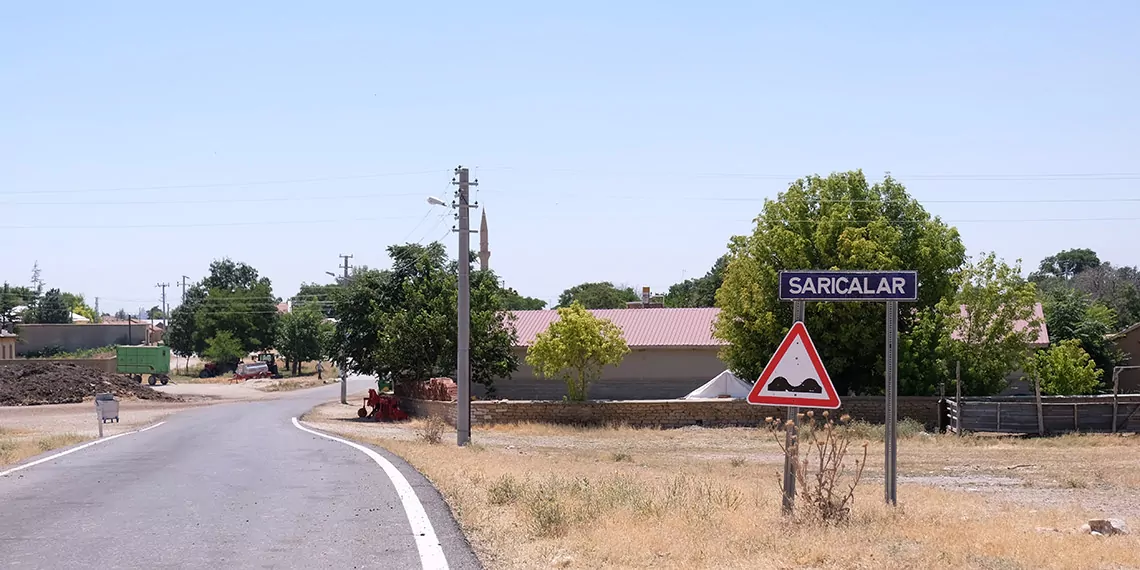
[890, 461]
[791, 445]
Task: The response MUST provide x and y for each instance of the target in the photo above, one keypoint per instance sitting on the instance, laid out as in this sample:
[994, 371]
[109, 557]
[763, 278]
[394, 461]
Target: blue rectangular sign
[849, 285]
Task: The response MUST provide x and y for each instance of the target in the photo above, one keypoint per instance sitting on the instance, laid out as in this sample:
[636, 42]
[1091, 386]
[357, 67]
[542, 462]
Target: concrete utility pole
[98, 315]
[346, 258]
[463, 363]
[184, 278]
[164, 286]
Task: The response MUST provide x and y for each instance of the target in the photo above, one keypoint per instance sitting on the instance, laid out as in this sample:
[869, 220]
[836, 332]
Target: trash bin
[107, 407]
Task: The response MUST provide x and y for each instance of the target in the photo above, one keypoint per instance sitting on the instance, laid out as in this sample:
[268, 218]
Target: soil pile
[34, 383]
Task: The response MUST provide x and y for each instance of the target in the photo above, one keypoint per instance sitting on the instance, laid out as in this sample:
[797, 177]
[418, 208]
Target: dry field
[27, 431]
[531, 496]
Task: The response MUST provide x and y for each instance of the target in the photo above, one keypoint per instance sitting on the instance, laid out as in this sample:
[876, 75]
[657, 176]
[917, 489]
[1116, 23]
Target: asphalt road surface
[227, 486]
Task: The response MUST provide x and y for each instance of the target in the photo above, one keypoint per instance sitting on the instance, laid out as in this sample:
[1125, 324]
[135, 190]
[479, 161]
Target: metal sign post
[791, 444]
[891, 287]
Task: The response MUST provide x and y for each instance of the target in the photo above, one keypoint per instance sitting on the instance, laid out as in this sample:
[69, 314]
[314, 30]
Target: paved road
[228, 486]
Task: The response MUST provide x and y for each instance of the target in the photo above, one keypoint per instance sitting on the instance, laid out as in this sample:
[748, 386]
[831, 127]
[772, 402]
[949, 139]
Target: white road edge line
[431, 551]
[74, 449]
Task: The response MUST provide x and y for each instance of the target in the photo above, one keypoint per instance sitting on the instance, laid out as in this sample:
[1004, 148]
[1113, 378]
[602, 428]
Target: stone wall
[103, 364]
[661, 413]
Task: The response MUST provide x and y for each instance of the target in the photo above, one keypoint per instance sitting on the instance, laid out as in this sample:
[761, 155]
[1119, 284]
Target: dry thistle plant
[824, 492]
[432, 429]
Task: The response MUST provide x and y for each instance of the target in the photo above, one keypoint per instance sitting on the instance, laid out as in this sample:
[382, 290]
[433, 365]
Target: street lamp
[435, 201]
[331, 274]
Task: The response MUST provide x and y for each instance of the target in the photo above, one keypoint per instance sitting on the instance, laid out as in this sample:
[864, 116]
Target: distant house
[672, 352]
[1018, 384]
[283, 308]
[1128, 342]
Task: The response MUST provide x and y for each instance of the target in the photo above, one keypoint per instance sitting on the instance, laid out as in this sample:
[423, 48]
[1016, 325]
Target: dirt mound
[35, 383]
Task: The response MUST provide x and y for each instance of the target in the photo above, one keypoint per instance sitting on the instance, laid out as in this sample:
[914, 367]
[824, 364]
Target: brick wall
[660, 413]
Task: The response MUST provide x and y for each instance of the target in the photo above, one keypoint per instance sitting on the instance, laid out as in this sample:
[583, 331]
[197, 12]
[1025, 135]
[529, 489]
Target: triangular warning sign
[795, 376]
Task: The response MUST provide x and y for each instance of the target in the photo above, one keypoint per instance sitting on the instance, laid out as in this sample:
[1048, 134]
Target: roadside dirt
[37, 383]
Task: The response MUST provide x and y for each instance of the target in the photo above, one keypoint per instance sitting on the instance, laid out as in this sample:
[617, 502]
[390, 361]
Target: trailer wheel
[152, 380]
[164, 379]
[137, 378]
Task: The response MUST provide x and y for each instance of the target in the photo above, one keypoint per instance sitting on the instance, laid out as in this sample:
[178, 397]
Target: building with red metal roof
[672, 352]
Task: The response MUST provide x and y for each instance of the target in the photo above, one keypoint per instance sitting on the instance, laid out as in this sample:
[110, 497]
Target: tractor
[270, 361]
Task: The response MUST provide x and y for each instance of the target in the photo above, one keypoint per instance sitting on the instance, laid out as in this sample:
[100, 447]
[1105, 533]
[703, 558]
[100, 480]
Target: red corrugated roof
[642, 327]
[1038, 315]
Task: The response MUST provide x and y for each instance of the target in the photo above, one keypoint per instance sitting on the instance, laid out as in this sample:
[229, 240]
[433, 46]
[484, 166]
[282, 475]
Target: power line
[225, 184]
[206, 225]
[215, 200]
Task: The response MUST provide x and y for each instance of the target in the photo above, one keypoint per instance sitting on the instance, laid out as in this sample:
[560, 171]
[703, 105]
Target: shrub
[1065, 369]
[825, 494]
[432, 429]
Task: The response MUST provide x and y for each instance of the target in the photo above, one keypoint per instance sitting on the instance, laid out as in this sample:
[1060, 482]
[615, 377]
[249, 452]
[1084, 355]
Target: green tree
[155, 313]
[322, 295]
[402, 324]
[599, 295]
[1071, 314]
[1066, 264]
[982, 320]
[698, 292]
[179, 335]
[12, 297]
[837, 222]
[1118, 288]
[233, 298]
[122, 314]
[575, 349]
[513, 301]
[299, 335]
[224, 347]
[52, 309]
[1065, 369]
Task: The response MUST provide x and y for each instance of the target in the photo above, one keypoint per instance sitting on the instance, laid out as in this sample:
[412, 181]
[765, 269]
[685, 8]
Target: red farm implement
[385, 408]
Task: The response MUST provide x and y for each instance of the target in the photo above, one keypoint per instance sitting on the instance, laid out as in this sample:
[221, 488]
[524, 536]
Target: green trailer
[138, 360]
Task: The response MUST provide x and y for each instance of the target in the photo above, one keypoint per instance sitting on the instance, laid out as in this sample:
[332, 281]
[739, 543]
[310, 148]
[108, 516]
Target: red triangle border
[798, 330]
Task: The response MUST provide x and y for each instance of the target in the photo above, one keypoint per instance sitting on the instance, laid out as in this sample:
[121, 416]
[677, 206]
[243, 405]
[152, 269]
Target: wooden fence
[1042, 415]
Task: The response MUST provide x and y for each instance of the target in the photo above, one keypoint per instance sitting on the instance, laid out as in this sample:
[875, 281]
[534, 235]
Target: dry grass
[293, 384]
[16, 446]
[533, 496]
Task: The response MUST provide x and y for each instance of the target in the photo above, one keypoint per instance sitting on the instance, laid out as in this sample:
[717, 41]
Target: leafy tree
[837, 222]
[224, 347]
[1065, 369]
[513, 301]
[121, 314]
[1072, 315]
[179, 335]
[1118, 288]
[923, 362]
[402, 322]
[600, 295]
[52, 309]
[12, 297]
[982, 319]
[233, 298]
[76, 304]
[299, 335]
[699, 292]
[322, 295]
[576, 348]
[155, 313]
[1066, 264]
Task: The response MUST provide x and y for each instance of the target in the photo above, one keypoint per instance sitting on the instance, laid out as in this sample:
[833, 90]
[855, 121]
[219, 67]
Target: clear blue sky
[598, 131]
